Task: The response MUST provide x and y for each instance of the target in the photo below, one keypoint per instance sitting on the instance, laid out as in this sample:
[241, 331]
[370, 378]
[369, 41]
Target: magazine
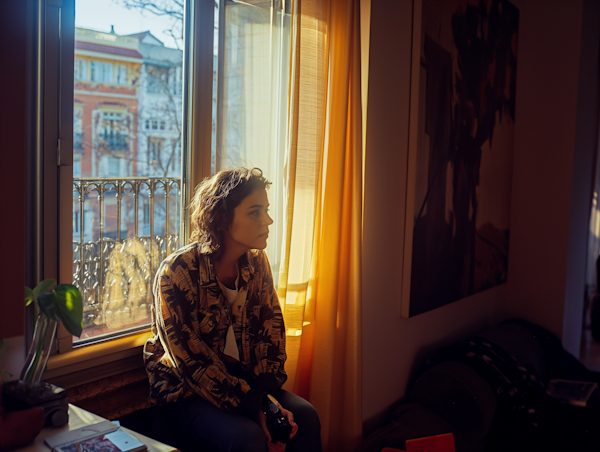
[80, 434]
[117, 441]
[571, 392]
[104, 436]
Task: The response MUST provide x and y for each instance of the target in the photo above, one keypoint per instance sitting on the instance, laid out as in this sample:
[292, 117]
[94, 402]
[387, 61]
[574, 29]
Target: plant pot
[52, 399]
[19, 428]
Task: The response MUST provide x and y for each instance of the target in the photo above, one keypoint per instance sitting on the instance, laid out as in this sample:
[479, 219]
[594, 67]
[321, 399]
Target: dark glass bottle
[277, 423]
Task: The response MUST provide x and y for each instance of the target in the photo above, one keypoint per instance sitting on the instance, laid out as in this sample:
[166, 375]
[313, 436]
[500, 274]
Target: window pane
[252, 81]
[127, 148]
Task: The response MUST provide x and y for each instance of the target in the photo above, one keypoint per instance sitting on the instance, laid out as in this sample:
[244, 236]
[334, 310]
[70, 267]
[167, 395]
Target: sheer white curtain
[252, 96]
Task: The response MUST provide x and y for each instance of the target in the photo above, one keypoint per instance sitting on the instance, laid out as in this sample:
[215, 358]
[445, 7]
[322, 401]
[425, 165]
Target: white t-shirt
[236, 300]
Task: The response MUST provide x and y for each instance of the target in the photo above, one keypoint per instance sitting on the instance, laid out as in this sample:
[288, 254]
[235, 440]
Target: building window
[77, 131]
[157, 79]
[121, 74]
[113, 133]
[101, 72]
[80, 69]
[156, 124]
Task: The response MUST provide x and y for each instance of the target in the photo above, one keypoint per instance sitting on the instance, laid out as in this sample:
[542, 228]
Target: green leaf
[69, 304]
[43, 286]
[29, 296]
[46, 302]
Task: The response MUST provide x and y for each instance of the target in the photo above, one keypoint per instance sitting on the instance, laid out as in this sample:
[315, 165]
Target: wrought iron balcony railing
[116, 142]
[123, 228]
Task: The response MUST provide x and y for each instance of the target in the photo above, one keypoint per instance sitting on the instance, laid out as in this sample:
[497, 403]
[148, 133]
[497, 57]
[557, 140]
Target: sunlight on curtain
[253, 80]
[308, 88]
[320, 284]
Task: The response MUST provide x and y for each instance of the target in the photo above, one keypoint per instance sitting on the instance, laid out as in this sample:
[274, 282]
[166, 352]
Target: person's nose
[268, 220]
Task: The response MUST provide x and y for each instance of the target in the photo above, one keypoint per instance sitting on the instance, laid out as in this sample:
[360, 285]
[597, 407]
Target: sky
[101, 14]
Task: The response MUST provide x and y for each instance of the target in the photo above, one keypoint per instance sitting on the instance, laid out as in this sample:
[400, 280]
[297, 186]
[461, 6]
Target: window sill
[91, 356]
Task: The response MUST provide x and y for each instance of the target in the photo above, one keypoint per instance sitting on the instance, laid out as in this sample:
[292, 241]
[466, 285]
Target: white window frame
[51, 231]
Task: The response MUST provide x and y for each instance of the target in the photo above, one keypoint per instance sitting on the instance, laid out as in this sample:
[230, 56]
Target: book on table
[571, 392]
[101, 437]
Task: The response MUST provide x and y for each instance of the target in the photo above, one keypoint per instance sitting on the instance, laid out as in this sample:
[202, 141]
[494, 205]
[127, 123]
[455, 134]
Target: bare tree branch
[162, 8]
[173, 8]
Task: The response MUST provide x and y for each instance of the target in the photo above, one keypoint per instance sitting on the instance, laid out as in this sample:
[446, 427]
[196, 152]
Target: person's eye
[256, 213]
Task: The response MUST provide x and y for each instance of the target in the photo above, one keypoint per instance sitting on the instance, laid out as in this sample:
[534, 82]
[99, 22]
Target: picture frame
[461, 128]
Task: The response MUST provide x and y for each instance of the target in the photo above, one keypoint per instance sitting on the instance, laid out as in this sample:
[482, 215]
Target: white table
[79, 417]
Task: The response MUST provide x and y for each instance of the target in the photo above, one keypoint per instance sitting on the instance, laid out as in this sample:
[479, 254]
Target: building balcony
[116, 142]
[122, 229]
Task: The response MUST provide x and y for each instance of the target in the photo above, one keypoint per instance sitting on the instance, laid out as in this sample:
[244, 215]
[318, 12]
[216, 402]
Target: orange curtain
[320, 280]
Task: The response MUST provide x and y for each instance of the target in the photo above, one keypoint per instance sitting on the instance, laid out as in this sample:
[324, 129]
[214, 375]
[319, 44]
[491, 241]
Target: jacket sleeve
[179, 326]
[270, 349]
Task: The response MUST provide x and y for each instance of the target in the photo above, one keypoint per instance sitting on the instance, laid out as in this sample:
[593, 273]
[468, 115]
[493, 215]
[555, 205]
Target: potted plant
[55, 303]
[29, 403]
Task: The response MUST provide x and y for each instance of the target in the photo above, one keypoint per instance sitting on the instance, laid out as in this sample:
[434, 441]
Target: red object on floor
[391, 449]
[438, 443]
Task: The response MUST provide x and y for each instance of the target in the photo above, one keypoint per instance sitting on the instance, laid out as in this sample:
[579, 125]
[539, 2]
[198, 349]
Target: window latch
[64, 152]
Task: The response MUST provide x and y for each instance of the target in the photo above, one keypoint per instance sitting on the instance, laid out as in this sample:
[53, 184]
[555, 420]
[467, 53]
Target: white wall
[391, 344]
[555, 142]
[555, 139]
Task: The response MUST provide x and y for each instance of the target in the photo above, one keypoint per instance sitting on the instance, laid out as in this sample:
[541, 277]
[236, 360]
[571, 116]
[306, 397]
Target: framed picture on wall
[462, 117]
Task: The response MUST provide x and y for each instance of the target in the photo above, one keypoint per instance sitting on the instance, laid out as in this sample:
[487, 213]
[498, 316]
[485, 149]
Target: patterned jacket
[190, 319]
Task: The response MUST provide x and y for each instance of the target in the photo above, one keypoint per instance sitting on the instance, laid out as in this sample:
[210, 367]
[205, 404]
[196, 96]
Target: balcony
[122, 229]
[113, 142]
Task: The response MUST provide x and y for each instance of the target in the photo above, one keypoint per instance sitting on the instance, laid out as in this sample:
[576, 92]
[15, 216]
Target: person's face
[249, 228]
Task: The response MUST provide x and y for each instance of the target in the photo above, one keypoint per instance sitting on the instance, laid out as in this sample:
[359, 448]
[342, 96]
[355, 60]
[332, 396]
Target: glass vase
[39, 351]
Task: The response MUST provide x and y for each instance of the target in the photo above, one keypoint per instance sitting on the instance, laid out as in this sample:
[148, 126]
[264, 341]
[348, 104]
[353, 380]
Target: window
[121, 74]
[155, 124]
[101, 72]
[77, 130]
[157, 78]
[80, 69]
[251, 109]
[131, 173]
[130, 195]
[112, 132]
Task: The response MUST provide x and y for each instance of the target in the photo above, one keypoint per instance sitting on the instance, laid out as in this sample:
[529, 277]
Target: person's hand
[273, 447]
[262, 421]
[290, 418]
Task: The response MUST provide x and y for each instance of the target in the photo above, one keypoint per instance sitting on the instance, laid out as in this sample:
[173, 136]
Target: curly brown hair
[213, 203]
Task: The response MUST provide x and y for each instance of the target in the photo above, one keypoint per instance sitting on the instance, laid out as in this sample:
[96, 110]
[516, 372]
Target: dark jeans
[197, 425]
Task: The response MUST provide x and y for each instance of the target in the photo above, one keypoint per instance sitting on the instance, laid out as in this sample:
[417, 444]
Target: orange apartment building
[107, 74]
[106, 104]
